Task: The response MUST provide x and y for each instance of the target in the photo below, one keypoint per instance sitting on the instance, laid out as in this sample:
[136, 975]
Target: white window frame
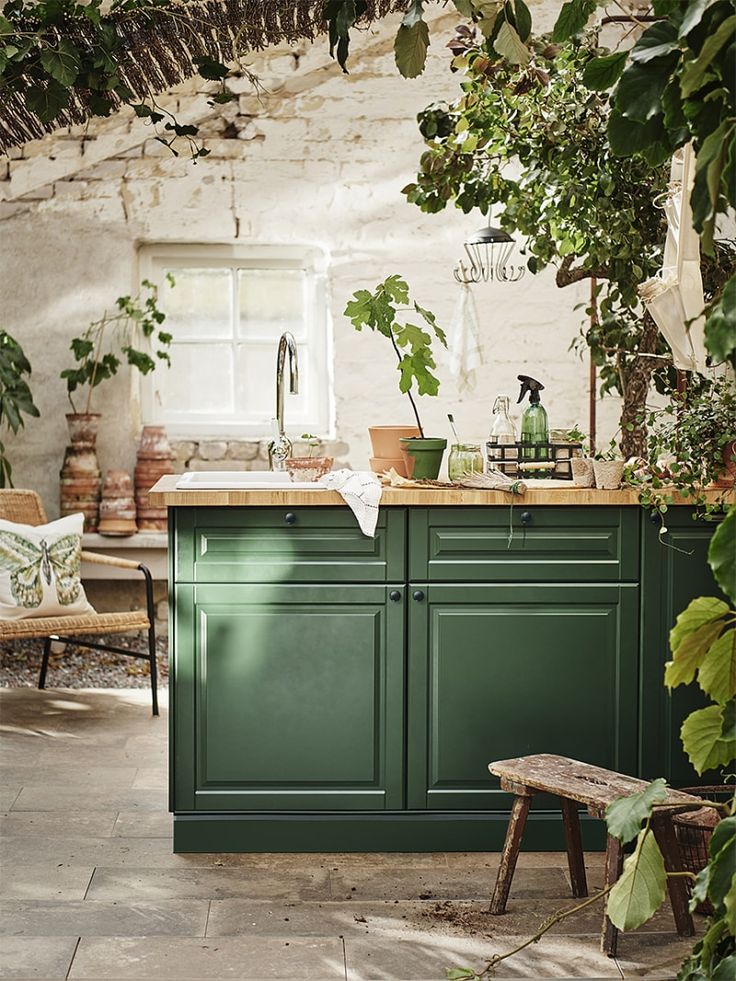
[155, 259]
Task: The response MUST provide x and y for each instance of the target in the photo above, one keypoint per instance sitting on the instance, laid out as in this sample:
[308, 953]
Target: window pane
[256, 385]
[199, 381]
[271, 301]
[199, 305]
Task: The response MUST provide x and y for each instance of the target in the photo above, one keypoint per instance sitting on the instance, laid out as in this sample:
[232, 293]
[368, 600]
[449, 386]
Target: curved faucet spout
[280, 448]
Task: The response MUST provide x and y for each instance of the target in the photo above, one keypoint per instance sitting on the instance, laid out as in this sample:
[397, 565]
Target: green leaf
[397, 288]
[722, 862]
[47, 101]
[717, 674]
[211, 69]
[690, 654]
[703, 610]
[729, 902]
[658, 40]
[627, 136]
[601, 73]
[509, 44]
[696, 72]
[464, 7]
[572, 18]
[725, 970]
[62, 63]
[625, 815]
[639, 90]
[722, 549]
[461, 974]
[523, 19]
[693, 16]
[707, 184]
[640, 891]
[701, 735]
[410, 48]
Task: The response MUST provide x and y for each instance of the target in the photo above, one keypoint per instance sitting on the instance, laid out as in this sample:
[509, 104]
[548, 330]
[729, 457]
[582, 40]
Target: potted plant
[310, 467]
[581, 463]
[15, 396]
[608, 468]
[412, 345]
[691, 445]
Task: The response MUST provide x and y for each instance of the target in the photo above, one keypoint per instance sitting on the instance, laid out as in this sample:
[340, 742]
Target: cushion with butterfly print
[40, 569]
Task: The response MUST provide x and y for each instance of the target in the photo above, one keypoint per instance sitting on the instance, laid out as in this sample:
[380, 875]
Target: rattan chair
[25, 506]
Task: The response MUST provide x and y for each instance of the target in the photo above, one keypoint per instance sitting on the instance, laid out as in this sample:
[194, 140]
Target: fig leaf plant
[114, 339]
[382, 310]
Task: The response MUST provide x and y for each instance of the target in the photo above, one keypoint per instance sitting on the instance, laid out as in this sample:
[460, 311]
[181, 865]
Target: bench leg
[677, 885]
[517, 821]
[614, 867]
[574, 845]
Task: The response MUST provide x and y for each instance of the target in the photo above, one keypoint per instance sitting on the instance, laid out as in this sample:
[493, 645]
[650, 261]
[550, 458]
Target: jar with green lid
[465, 458]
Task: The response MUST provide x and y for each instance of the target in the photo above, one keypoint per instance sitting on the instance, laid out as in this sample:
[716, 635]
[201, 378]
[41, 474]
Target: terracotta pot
[381, 465]
[117, 507]
[154, 444]
[728, 476]
[305, 468]
[386, 440]
[152, 462]
[80, 472]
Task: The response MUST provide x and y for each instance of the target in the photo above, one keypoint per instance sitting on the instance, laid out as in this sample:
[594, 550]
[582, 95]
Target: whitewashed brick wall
[321, 161]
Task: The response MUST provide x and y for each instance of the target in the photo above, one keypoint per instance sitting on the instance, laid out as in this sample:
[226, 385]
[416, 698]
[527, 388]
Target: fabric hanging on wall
[466, 352]
[674, 297]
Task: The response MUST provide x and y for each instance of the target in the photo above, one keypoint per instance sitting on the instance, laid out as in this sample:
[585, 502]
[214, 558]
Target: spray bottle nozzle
[531, 385]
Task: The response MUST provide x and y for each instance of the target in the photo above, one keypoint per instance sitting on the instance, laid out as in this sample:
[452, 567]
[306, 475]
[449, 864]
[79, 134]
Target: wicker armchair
[25, 506]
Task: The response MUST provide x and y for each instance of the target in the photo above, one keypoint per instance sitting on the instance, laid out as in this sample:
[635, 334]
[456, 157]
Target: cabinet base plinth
[412, 831]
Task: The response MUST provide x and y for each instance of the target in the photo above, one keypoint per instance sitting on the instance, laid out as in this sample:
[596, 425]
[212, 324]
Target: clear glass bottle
[465, 458]
[503, 430]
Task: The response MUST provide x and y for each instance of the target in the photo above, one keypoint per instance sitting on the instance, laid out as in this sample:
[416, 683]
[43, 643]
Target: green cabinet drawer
[549, 544]
[279, 544]
[502, 671]
[288, 698]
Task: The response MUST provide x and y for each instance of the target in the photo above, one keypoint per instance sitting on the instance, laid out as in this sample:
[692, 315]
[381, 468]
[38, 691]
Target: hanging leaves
[509, 44]
[412, 41]
[722, 551]
[640, 890]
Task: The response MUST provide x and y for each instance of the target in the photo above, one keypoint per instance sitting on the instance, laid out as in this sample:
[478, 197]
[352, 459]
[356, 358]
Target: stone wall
[320, 159]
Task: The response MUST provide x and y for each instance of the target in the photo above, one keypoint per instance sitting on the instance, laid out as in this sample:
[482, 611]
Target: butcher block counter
[336, 692]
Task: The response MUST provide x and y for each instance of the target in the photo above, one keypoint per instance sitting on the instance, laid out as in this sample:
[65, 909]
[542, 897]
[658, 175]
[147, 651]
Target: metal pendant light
[489, 251]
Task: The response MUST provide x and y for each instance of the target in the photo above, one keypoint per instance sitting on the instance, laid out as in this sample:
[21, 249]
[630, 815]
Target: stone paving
[90, 887]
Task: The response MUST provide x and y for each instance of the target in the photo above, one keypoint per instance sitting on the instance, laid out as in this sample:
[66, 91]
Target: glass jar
[465, 458]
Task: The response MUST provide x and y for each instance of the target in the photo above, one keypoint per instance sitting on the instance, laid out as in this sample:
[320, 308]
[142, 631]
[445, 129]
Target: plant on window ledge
[100, 350]
[15, 396]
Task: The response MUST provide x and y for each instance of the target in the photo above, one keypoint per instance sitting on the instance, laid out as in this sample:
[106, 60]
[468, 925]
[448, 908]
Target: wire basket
[551, 459]
[694, 830]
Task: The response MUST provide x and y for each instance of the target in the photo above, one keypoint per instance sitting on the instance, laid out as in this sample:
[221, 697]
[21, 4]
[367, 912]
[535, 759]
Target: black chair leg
[44, 662]
[151, 609]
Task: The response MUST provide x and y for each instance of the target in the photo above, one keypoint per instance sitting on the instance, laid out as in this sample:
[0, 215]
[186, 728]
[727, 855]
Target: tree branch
[567, 275]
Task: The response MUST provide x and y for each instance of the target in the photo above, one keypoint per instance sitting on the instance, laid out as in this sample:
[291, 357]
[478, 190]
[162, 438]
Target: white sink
[244, 480]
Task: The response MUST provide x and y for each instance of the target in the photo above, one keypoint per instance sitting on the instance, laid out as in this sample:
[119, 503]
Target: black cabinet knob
[290, 518]
[418, 595]
[526, 517]
[394, 596]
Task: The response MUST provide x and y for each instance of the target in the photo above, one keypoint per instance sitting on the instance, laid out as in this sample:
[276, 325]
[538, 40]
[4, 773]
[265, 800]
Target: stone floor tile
[49, 881]
[36, 957]
[9, 794]
[44, 798]
[53, 824]
[45, 918]
[431, 956]
[84, 777]
[144, 824]
[398, 883]
[222, 958]
[132, 885]
[151, 778]
[654, 955]
[526, 860]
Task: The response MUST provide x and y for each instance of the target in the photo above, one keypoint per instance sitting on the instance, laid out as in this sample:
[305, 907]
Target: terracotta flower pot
[386, 440]
[306, 468]
[80, 471]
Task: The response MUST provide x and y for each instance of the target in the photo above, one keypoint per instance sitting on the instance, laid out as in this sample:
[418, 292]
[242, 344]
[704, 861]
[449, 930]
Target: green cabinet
[674, 572]
[508, 670]
[288, 698]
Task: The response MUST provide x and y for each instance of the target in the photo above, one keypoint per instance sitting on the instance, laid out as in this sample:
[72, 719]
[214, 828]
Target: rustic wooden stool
[580, 783]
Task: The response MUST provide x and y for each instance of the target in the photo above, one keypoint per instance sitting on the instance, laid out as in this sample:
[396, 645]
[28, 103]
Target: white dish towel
[361, 490]
[466, 352]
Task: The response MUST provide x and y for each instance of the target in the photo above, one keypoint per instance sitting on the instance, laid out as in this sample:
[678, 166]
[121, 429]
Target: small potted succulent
[412, 344]
[310, 467]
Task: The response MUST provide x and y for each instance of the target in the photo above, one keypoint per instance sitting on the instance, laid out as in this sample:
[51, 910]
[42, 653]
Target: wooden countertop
[165, 494]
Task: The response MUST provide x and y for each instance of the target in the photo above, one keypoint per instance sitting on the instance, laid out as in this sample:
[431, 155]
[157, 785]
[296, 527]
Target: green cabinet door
[288, 697]
[499, 671]
[674, 572]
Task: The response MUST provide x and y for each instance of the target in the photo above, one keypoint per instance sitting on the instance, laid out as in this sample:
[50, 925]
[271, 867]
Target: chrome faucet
[280, 447]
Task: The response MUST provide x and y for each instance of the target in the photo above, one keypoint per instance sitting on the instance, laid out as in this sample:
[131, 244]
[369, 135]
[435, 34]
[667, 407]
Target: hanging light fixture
[489, 251]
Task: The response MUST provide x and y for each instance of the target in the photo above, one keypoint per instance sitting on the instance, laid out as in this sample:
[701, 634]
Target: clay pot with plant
[106, 344]
[312, 466]
[383, 311]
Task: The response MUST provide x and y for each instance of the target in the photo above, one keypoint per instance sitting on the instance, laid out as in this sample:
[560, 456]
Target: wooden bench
[580, 783]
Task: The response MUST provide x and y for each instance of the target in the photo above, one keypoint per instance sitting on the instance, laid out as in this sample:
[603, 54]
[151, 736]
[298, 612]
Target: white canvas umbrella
[674, 297]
